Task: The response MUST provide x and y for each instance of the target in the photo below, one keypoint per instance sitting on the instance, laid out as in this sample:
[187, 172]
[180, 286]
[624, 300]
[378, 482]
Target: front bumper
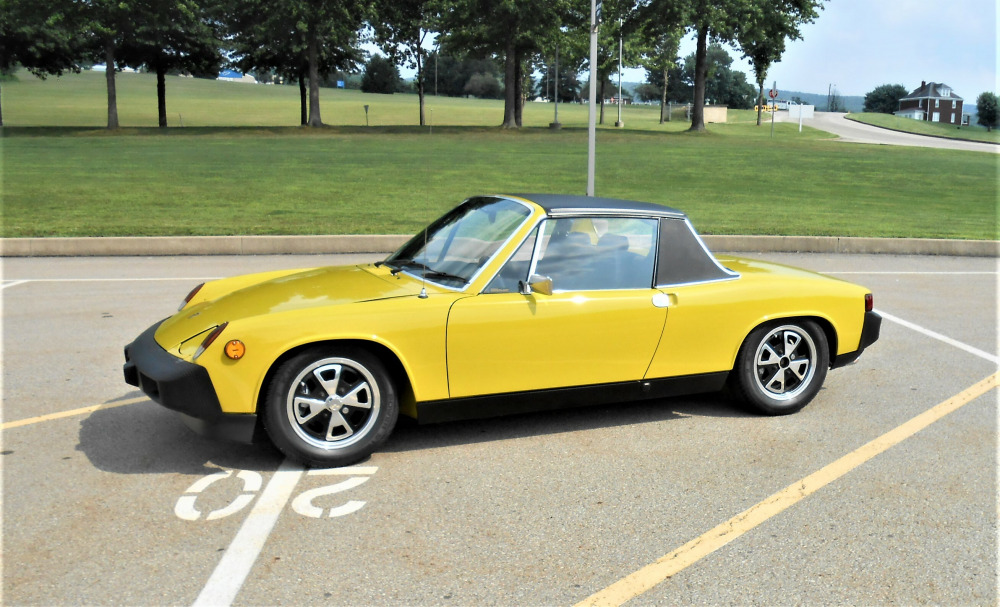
[184, 387]
[869, 334]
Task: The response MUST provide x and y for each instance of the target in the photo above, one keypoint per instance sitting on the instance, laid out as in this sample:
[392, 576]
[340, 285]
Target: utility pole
[595, 23]
[621, 46]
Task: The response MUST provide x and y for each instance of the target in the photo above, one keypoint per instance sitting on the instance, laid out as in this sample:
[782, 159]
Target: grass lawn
[921, 127]
[393, 179]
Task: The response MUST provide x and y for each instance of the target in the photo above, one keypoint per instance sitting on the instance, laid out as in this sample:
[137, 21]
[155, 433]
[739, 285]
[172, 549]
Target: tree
[722, 84]
[763, 32]
[305, 38]
[401, 26]
[661, 57]
[381, 76]
[40, 35]
[175, 35]
[884, 99]
[989, 113]
[112, 25]
[723, 21]
[513, 31]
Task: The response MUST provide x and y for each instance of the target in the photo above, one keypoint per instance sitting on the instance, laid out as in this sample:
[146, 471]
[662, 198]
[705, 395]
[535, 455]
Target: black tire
[781, 366]
[329, 407]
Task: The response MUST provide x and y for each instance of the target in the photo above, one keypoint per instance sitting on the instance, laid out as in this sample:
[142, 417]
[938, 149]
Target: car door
[600, 324]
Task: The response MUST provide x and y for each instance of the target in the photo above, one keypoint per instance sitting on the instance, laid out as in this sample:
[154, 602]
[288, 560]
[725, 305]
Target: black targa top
[681, 258]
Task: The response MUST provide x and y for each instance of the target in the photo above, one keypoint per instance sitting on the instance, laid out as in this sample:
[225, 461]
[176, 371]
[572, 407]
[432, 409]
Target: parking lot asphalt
[109, 499]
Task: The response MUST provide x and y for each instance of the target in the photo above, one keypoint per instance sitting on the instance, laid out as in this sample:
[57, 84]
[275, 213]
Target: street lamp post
[555, 122]
[592, 121]
[621, 45]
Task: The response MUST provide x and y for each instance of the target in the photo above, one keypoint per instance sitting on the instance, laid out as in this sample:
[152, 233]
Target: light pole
[555, 122]
[595, 23]
[621, 45]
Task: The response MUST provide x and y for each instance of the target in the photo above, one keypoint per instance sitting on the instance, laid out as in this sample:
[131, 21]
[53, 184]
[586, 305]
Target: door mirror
[537, 284]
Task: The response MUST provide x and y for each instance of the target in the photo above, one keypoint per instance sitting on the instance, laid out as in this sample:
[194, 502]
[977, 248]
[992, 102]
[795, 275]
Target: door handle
[664, 300]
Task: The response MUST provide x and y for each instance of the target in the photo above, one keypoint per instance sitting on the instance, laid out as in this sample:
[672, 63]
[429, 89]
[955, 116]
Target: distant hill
[852, 104]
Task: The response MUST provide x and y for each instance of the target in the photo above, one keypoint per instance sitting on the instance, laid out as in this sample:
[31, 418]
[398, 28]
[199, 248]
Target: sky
[857, 45]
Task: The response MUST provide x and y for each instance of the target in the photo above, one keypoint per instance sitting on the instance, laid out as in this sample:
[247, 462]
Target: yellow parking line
[70, 413]
[649, 576]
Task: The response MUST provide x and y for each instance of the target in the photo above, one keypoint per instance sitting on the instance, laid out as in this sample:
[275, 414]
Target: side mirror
[536, 284]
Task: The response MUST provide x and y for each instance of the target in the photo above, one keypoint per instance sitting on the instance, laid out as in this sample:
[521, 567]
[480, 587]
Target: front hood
[320, 287]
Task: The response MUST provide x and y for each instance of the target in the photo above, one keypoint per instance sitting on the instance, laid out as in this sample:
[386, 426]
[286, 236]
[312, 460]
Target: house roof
[932, 90]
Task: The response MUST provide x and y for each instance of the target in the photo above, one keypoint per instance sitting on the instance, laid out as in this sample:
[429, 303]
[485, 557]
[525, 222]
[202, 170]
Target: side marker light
[235, 349]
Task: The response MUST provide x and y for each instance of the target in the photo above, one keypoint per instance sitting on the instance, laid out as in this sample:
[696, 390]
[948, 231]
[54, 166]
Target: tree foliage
[305, 39]
[763, 32]
[884, 99]
[381, 76]
[401, 27]
[987, 107]
[40, 35]
[510, 30]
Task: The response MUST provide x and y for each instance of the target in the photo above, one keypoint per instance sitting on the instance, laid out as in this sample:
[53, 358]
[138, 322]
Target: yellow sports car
[505, 304]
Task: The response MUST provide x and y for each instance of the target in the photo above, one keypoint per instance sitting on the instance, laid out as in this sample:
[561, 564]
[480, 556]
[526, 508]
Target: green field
[921, 127]
[241, 166]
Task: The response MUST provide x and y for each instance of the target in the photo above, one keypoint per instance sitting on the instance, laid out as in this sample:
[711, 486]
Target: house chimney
[923, 83]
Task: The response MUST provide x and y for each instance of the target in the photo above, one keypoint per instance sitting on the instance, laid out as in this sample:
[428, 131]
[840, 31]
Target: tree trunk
[701, 74]
[109, 78]
[663, 98]
[161, 97]
[510, 86]
[760, 100]
[303, 99]
[519, 108]
[420, 81]
[601, 121]
[314, 117]
[1, 112]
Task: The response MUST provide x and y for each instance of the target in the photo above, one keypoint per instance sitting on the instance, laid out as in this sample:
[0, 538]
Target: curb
[889, 128]
[334, 244]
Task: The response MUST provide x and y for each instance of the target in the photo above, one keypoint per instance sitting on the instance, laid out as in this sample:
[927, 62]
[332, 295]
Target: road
[108, 499]
[850, 131]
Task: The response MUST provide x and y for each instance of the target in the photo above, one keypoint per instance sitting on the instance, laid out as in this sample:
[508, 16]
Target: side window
[592, 253]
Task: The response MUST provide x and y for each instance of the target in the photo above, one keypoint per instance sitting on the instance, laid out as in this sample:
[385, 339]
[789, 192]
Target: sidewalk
[299, 245]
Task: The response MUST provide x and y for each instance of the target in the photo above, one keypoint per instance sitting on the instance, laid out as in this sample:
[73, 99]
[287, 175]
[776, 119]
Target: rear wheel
[330, 406]
[781, 366]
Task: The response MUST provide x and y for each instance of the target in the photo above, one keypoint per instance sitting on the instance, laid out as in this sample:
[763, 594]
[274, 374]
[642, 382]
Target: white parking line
[228, 577]
[944, 338]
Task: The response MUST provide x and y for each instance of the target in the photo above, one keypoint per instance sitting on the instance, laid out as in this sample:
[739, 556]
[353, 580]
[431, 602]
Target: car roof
[560, 204]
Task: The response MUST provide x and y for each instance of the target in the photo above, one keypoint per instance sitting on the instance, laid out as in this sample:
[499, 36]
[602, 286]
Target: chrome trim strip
[670, 285]
[648, 214]
[707, 252]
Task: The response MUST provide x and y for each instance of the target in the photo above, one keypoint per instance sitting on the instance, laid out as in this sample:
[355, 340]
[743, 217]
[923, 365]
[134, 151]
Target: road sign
[773, 93]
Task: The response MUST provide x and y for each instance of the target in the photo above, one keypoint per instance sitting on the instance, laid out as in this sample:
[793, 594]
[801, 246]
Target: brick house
[934, 102]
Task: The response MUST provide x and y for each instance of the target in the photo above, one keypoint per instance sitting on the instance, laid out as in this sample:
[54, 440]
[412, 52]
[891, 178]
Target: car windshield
[455, 247]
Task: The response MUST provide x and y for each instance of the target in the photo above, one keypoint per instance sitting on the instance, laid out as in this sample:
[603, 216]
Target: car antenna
[423, 272]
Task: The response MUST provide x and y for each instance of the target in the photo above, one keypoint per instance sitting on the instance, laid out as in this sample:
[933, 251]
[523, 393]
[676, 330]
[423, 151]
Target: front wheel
[330, 406]
[781, 366]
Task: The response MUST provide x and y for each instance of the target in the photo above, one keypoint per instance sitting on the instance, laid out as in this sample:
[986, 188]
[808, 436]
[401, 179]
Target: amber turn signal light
[235, 349]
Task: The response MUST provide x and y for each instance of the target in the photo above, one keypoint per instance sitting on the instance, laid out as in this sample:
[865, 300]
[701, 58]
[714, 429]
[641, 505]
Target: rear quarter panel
[707, 323]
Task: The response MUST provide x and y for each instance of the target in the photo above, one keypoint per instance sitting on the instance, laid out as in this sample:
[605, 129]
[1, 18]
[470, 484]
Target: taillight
[190, 296]
[216, 332]
[869, 302]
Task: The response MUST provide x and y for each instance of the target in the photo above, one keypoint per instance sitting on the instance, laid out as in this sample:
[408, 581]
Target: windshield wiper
[398, 264]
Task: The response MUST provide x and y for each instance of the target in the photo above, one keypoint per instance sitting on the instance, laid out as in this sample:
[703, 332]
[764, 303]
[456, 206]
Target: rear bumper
[869, 334]
[184, 387]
